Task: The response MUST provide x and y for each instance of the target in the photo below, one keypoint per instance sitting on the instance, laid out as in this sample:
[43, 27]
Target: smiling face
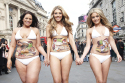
[58, 15]
[95, 18]
[27, 20]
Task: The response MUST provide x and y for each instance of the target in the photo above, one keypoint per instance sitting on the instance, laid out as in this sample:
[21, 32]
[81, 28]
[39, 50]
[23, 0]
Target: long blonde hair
[104, 21]
[65, 21]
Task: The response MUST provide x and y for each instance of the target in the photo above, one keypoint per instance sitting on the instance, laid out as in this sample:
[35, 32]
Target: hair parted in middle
[65, 21]
[104, 21]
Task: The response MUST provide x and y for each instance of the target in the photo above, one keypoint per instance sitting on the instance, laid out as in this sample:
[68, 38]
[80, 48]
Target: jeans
[42, 57]
[86, 58]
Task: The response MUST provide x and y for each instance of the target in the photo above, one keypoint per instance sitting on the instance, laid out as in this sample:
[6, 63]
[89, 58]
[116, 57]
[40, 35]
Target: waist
[27, 57]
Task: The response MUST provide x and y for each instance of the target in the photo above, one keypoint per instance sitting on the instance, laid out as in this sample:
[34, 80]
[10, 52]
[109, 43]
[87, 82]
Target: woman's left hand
[46, 61]
[119, 58]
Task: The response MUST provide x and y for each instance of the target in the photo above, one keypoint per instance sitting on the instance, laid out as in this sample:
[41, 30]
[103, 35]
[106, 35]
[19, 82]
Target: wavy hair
[34, 20]
[65, 21]
[104, 21]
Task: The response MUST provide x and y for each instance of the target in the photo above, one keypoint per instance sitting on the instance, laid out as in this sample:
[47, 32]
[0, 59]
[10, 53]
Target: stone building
[10, 11]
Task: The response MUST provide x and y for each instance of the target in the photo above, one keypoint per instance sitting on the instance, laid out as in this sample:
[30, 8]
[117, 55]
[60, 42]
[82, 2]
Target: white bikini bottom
[28, 60]
[60, 55]
[101, 58]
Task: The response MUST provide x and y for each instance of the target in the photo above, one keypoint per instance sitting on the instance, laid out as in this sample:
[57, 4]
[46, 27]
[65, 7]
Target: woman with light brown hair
[59, 33]
[100, 31]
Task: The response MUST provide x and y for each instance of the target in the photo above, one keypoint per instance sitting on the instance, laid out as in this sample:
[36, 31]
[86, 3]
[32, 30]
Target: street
[78, 74]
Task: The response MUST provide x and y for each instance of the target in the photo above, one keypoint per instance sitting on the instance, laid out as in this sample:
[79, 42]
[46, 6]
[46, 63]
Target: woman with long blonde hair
[100, 31]
[59, 34]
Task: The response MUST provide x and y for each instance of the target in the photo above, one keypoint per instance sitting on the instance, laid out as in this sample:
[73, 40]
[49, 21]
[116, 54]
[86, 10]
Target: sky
[74, 8]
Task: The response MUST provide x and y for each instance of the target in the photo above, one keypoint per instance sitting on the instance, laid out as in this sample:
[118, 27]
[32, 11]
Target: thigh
[66, 63]
[55, 68]
[33, 69]
[105, 68]
[21, 69]
[96, 67]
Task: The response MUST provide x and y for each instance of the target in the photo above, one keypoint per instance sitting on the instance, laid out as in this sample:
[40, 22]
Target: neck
[98, 25]
[26, 26]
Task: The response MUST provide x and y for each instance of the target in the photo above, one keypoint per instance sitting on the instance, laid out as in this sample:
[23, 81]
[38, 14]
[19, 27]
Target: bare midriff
[26, 49]
[59, 44]
[101, 45]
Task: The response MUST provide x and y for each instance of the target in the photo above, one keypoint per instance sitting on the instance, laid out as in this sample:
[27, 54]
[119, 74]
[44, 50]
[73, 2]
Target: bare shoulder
[15, 30]
[90, 30]
[36, 30]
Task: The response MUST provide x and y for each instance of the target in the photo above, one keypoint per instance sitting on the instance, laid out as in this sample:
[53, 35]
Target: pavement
[78, 74]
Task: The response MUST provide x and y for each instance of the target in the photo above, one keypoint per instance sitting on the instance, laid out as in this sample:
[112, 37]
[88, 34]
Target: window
[11, 21]
[122, 2]
[10, 9]
[82, 30]
[43, 32]
[101, 5]
[122, 14]
[114, 13]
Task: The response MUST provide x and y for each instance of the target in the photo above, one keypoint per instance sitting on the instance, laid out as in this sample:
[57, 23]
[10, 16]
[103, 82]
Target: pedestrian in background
[121, 48]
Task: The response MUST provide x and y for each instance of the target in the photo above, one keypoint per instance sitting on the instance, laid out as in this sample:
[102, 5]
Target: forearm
[11, 51]
[74, 49]
[86, 50]
[42, 51]
[48, 48]
[113, 45]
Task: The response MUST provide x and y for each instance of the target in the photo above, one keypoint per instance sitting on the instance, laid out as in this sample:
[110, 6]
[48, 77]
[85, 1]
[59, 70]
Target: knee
[100, 81]
[57, 80]
[23, 80]
[65, 79]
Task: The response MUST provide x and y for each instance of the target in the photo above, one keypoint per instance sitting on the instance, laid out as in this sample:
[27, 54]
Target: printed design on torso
[60, 44]
[25, 49]
[103, 46]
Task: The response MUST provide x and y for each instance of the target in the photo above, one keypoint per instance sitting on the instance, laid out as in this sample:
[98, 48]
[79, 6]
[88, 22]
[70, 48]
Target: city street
[78, 74]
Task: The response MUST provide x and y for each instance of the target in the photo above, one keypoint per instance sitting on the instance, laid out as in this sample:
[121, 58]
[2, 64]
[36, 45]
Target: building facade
[11, 10]
[114, 11]
[81, 31]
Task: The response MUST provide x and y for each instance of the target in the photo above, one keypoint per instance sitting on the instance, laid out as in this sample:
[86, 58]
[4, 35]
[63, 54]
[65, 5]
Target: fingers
[119, 59]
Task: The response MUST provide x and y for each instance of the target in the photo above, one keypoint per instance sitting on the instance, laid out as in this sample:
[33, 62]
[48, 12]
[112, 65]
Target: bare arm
[48, 40]
[72, 43]
[12, 45]
[86, 49]
[113, 45]
[39, 47]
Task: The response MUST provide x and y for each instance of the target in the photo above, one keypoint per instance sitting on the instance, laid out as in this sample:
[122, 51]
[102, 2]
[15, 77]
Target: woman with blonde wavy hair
[100, 31]
[59, 34]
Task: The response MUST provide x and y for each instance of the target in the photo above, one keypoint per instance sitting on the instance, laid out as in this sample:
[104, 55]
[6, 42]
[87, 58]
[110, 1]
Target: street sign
[116, 28]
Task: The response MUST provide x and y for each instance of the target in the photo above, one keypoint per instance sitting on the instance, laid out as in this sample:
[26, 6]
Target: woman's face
[27, 20]
[58, 15]
[95, 18]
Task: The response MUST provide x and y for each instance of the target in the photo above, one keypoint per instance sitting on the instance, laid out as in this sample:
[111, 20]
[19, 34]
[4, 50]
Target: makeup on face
[27, 20]
[95, 18]
[58, 15]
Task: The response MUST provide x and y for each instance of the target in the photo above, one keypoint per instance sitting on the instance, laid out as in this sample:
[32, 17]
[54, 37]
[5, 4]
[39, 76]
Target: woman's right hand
[46, 61]
[9, 64]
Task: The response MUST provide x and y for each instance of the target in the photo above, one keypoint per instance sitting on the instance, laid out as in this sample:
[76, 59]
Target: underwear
[28, 60]
[101, 58]
[60, 55]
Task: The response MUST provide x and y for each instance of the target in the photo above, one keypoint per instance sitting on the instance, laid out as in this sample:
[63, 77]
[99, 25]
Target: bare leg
[66, 63]
[21, 69]
[55, 69]
[96, 68]
[105, 69]
[33, 69]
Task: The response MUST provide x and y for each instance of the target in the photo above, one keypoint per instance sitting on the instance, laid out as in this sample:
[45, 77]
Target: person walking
[27, 39]
[100, 31]
[59, 36]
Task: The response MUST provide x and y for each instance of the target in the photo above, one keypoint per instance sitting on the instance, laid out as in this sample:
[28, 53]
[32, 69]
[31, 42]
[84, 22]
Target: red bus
[43, 39]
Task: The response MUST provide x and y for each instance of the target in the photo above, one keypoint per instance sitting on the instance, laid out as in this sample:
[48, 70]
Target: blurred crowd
[4, 49]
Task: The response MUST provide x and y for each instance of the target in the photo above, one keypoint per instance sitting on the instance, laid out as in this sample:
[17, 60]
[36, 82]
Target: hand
[9, 64]
[78, 61]
[46, 61]
[119, 58]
